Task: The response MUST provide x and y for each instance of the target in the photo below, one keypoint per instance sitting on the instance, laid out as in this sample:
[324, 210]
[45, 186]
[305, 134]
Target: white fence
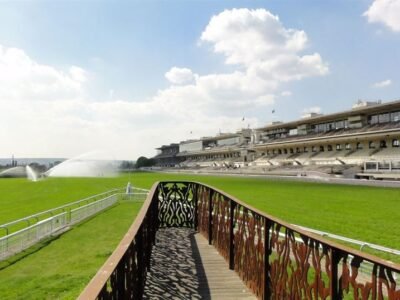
[24, 238]
[88, 210]
[66, 216]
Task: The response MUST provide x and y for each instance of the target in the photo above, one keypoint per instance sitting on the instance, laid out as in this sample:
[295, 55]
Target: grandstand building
[366, 137]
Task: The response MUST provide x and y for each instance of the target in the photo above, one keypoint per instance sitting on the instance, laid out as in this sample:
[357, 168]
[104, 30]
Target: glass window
[329, 147]
[338, 147]
[314, 149]
[359, 145]
[279, 151]
[384, 118]
[374, 119]
[395, 116]
[305, 149]
[371, 145]
[339, 124]
[395, 143]
[347, 146]
[297, 150]
[382, 144]
[321, 148]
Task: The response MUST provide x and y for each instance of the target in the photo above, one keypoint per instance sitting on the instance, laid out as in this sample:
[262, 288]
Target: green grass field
[62, 267]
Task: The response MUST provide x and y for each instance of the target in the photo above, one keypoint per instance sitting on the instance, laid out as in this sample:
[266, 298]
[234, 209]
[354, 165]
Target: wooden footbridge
[191, 241]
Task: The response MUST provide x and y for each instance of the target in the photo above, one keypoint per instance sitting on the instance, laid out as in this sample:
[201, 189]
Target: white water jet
[14, 172]
[31, 174]
[86, 165]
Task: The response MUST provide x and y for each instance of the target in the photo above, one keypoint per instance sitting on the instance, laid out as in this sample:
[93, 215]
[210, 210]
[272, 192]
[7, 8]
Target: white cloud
[51, 113]
[313, 109]
[180, 75]
[23, 78]
[286, 94]
[382, 84]
[386, 12]
[257, 39]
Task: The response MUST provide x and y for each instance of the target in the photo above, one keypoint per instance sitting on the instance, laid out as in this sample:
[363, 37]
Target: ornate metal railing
[276, 260]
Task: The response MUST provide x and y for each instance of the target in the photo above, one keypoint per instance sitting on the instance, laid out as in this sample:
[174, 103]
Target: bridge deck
[184, 266]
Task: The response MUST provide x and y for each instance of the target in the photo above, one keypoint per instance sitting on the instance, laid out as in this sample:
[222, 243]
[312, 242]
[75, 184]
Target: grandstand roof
[371, 109]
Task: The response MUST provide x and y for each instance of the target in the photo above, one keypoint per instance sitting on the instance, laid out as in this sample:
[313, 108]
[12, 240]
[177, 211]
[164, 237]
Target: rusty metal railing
[275, 259]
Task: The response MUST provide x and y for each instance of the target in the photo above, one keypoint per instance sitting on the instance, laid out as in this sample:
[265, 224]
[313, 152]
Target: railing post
[210, 216]
[196, 206]
[334, 284]
[267, 250]
[140, 264]
[232, 234]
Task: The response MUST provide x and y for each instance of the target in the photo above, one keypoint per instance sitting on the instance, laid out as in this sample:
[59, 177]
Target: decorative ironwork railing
[276, 260]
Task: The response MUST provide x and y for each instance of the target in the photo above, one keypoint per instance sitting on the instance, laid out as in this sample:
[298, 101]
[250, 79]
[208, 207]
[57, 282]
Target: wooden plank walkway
[184, 266]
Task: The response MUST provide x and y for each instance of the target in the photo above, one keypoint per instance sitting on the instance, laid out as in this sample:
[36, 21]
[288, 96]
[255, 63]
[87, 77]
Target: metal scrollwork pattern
[381, 284]
[203, 196]
[176, 204]
[299, 266]
[249, 248]
[220, 222]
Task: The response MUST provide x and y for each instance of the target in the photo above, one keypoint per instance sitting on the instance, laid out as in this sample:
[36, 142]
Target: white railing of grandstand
[20, 240]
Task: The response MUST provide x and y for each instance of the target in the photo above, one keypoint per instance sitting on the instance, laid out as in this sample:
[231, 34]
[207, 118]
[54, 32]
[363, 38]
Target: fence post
[210, 216]
[334, 283]
[267, 250]
[232, 234]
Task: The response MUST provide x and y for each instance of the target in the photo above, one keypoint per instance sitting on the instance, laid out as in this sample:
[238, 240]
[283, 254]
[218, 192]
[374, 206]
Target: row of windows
[384, 118]
[331, 126]
[338, 147]
[227, 155]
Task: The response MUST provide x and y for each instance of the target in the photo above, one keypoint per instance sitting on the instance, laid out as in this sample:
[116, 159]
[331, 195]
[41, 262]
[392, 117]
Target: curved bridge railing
[276, 260]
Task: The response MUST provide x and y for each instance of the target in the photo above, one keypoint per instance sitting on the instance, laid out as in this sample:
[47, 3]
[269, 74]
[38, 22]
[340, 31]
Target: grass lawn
[62, 267]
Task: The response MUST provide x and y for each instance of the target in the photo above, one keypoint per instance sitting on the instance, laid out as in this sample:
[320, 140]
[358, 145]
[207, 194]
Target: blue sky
[91, 75]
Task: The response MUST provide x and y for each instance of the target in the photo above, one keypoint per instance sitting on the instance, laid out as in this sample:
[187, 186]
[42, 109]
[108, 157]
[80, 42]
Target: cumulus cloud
[382, 84]
[386, 12]
[23, 78]
[64, 120]
[258, 40]
[180, 75]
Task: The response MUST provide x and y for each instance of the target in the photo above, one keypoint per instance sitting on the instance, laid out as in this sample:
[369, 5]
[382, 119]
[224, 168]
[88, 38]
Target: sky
[125, 77]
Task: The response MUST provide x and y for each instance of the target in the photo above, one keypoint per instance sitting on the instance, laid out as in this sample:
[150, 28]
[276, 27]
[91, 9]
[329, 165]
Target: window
[279, 151]
[382, 144]
[338, 147]
[339, 124]
[374, 119]
[285, 151]
[359, 145]
[274, 151]
[347, 146]
[395, 143]
[297, 150]
[291, 150]
[321, 149]
[305, 149]
[395, 116]
[384, 118]
[329, 147]
[371, 145]
[314, 148]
